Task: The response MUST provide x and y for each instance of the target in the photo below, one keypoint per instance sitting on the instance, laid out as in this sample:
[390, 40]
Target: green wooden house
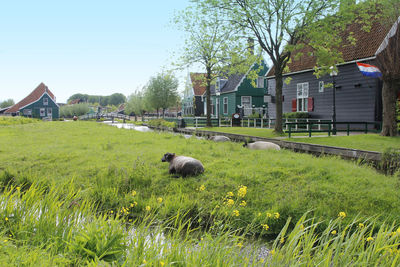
[236, 93]
[40, 103]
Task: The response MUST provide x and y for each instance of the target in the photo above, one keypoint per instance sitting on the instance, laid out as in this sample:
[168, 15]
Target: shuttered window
[302, 97]
[225, 105]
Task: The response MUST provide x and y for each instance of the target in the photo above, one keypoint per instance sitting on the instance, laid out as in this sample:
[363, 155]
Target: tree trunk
[208, 97]
[163, 113]
[389, 99]
[278, 102]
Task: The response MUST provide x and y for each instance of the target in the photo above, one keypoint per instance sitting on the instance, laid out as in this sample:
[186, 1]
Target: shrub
[162, 123]
[296, 115]
[74, 110]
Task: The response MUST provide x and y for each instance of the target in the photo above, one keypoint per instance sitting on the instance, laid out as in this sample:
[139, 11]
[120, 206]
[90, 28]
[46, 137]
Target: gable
[39, 102]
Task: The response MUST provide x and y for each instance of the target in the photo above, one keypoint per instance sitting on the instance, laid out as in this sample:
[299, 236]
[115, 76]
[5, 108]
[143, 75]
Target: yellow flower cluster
[230, 202]
[133, 193]
[334, 232]
[124, 211]
[360, 225]
[202, 188]
[276, 215]
[148, 208]
[229, 194]
[243, 203]
[133, 204]
[159, 200]
[240, 244]
[265, 226]
[342, 215]
[236, 213]
[369, 239]
[242, 191]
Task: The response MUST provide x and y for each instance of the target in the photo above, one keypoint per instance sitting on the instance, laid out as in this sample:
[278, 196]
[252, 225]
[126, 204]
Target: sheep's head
[168, 157]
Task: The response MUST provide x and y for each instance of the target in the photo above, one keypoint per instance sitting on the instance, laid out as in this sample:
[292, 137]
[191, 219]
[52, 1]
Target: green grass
[6, 121]
[107, 164]
[370, 142]
[87, 193]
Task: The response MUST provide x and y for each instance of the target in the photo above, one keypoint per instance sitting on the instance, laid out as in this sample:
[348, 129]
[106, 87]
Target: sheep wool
[182, 165]
[220, 138]
[262, 145]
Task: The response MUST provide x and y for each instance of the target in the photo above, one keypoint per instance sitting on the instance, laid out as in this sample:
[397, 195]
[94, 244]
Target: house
[236, 93]
[358, 98]
[192, 102]
[40, 103]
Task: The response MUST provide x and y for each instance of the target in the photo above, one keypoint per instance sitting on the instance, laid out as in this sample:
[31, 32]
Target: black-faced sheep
[220, 138]
[261, 145]
[181, 165]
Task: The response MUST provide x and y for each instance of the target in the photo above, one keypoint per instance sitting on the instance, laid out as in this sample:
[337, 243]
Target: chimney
[250, 45]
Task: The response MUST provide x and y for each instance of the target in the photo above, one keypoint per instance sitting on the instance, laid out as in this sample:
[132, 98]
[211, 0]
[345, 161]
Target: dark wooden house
[40, 103]
[358, 98]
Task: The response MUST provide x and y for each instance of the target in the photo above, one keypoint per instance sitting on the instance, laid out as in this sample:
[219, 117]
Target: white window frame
[42, 112]
[225, 102]
[212, 107]
[260, 82]
[321, 86]
[45, 101]
[50, 112]
[302, 97]
[27, 112]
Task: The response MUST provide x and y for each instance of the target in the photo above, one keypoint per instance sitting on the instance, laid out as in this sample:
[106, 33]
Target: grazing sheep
[220, 138]
[261, 145]
[182, 165]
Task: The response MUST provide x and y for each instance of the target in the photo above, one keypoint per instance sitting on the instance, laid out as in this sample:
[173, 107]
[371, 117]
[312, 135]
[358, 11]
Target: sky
[91, 47]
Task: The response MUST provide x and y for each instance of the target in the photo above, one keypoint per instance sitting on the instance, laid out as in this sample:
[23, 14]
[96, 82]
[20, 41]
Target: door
[246, 103]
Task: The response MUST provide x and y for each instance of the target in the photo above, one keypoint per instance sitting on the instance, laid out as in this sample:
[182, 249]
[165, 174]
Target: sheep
[220, 138]
[181, 165]
[261, 145]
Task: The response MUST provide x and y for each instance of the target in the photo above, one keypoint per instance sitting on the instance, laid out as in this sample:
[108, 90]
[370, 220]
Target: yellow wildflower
[18, 188]
[130, 220]
[276, 215]
[202, 187]
[265, 226]
[230, 202]
[369, 239]
[229, 194]
[144, 261]
[6, 219]
[133, 193]
[361, 225]
[5, 240]
[159, 200]
[236, 213]
[242, 191]
[269, 215]
[261, 260]
[239, 245]
[342, 215]
[148, 208]
[111, 211]
[132, 205]
[398, 230]
[272, 252]
[259, 214]
[243, 203]
[334, 232]
[282, 240]
[162, 263]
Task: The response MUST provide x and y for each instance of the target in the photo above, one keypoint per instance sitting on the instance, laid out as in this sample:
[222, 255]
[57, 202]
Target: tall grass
[7, 121]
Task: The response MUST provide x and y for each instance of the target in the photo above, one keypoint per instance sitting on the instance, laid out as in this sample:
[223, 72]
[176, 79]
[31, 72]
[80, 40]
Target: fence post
[319, 125]
[348, 129]
[308, 126]
[269, 123]
[255, 123]
[296, 124]
[195, 122]
[329, 128]
[261, 123]
[219, 122]
[309, 130]
[248, 122]
[286, 123]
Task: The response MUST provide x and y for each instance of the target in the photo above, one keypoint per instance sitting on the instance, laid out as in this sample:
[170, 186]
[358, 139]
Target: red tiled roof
[32, 97]
[198, 83]
[75, 101]
[366, 45]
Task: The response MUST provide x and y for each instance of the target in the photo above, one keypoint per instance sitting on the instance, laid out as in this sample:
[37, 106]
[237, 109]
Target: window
[50, 112]
[260, 82]
[225, 100]
[42, 112]
[246, 103]
[27, 112]
[45, 101]
[302, 97]
[321, 87]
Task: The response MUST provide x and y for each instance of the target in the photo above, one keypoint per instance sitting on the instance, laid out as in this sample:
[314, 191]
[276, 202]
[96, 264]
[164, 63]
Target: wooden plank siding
[358, 98]
[37, 105]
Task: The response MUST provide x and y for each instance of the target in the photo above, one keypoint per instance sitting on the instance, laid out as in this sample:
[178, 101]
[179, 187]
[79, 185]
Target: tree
[7, 103]
[281, 26]
[388, 59]
[116, 99]
[136, 104]
[161, 91]
[214, 45]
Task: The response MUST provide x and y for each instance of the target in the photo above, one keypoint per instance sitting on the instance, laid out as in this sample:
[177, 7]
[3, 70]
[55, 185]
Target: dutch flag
[369, 70]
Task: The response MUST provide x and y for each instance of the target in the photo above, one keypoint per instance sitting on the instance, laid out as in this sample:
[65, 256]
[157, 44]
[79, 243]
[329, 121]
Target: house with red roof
[40, 103]
[358, 98]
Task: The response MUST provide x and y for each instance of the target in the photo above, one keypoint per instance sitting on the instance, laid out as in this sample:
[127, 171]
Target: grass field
[371, 142]
[117, 172]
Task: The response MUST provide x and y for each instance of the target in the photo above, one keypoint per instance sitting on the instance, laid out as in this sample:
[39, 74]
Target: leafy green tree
[6, 103]
[116, 99]
[161, 91]
[136, 104]
[83, 97]
[281, 26]
[214, 45]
